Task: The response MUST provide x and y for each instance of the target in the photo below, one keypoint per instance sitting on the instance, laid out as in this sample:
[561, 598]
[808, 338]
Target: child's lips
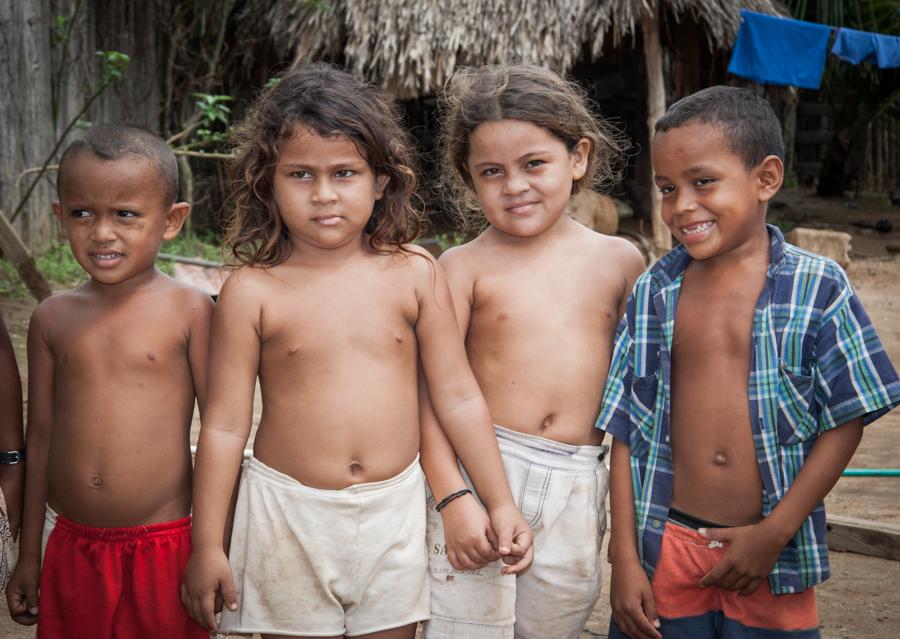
[106, 258]
[328, 220]
[697, 230]
[520, 208]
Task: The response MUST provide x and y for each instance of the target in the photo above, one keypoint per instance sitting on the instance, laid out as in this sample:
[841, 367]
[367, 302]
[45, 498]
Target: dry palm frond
[411, 47]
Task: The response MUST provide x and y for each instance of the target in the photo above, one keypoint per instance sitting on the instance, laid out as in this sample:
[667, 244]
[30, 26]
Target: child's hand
[631, 598]
[207, 582]
[513, 538]
[22, 592]
[752, 551]
[12, 481]
[468, 534]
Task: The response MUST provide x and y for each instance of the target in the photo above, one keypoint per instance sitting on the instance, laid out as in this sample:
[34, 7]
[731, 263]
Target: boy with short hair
[114, 368]
[743, 374]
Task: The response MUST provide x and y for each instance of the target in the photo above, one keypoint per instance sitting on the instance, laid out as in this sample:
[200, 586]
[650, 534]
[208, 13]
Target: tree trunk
[26, 129]
[656, 107]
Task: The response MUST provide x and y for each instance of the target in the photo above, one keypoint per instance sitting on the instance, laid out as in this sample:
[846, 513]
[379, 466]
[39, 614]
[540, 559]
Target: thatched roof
[412, 46]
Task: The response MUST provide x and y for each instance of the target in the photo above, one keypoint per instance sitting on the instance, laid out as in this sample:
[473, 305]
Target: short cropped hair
[750, 126]
[113, 141]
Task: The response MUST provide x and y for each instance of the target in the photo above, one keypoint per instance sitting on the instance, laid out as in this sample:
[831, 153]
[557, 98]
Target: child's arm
[12, 476]
[461, 410]
[467, 528]
[233, 365]
[630, 595]
[198, 346]
[22, 590]
[753, 550]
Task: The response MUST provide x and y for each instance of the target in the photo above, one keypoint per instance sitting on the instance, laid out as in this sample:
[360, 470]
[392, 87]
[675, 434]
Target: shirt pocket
[644, 391]
[796, 404]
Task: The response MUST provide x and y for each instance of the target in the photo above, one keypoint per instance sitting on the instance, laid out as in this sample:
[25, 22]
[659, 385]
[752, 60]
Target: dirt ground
[862, 599]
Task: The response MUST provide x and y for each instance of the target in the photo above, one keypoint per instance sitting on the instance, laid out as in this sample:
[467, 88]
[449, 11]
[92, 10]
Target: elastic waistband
[689, 521]
[271, 476]
[131, 533]
[548, 452]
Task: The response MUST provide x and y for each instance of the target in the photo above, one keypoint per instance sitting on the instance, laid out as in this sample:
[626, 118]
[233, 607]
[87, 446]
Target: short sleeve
[616, 406]
[854, 376]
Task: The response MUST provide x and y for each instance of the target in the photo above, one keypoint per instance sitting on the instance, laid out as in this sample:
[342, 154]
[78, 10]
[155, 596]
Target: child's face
[523, 175]
[115, 215]
[325, 189]
[711, 201]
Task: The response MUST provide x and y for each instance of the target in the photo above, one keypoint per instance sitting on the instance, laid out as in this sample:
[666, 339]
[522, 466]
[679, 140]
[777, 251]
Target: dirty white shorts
[314, 562]
[561, 491]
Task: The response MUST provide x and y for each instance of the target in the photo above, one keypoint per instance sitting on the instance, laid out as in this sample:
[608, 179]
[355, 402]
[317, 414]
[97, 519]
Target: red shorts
[115, 583]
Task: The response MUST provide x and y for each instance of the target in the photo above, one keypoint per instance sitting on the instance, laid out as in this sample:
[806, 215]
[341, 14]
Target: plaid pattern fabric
[816, 363]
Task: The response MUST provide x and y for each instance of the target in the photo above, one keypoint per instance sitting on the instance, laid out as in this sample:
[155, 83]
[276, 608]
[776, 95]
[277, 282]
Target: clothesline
[784, 51]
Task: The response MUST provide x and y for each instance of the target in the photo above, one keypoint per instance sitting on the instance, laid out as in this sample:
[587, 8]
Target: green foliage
[448, 240]
[114, 65]
[10, 283]
[58, 264]
[190, 244]
[213, 112]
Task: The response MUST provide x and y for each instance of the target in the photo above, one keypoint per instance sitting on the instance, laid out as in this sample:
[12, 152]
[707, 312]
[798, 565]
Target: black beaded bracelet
[10, 457]
[446, 500]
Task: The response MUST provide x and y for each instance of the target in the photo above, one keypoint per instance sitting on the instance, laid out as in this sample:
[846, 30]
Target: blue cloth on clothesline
[773, 50]
[862, 46]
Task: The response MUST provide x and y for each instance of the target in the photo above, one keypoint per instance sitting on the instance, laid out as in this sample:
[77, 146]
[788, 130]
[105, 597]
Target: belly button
[719, 459]
[356, 468]
[548, 421]
[96, 482]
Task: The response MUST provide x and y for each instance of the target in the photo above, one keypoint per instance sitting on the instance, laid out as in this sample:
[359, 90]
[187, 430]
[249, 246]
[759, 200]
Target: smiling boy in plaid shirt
[743, 374]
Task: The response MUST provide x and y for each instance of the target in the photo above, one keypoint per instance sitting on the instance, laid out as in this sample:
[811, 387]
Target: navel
[548, 421]
[96, 482]
[293, 350]
[151, 357]
[356, 468]
[719, 459]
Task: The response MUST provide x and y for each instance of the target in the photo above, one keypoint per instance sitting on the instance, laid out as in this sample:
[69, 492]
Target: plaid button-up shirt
[816, 363]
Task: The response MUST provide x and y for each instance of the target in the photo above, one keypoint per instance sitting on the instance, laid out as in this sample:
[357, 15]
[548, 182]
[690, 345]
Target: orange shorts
[688, 611]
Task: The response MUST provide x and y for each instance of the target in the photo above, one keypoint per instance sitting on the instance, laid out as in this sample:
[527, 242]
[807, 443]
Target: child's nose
[514, 185]
[103, 230]
[324, 192]
[684, 202]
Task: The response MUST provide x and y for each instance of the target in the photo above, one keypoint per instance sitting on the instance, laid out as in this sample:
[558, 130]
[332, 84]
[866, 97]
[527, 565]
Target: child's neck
[309, 255]
[132, 285]
[560, 228]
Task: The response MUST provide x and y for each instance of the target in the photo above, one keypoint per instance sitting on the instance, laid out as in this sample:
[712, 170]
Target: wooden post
[656, 106]
[16, 252]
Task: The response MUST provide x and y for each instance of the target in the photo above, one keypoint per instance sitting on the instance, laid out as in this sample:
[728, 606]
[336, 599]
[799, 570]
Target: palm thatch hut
[411, 47]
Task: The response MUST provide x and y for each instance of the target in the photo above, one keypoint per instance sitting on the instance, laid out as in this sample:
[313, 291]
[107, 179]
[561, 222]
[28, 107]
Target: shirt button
[667, 439]
[655, 523]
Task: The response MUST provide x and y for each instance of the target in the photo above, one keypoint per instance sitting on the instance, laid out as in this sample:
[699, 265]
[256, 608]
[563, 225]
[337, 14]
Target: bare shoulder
[616, 253]
[459, 261]
[188, 298]
[247, 284]
[55, 309]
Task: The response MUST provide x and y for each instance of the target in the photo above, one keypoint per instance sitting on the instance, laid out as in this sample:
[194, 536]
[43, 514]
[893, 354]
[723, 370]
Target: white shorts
[561, 491]
[314, 562]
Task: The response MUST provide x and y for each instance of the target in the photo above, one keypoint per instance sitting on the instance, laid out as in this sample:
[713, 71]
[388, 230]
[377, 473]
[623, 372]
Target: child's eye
[533, 164]
[491, 172]
[345, 173]
[704, 181]
[127, 214]
[80, 213]
[666, 190]
[301, 174]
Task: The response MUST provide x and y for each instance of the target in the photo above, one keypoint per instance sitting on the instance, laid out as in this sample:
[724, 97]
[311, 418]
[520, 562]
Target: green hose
[871, 472]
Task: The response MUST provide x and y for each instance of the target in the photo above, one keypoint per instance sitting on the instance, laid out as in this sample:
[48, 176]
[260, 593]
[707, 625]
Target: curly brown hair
[531, 94]
[332, 103]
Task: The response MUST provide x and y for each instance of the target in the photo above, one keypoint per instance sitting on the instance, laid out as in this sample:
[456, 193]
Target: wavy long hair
[332, 103]
[531, 94]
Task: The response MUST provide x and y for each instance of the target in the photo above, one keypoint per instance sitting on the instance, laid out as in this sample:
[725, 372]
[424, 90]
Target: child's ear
[175, 218]
[58, 212]
[381, 182]
[769, 177]
[579, 156]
